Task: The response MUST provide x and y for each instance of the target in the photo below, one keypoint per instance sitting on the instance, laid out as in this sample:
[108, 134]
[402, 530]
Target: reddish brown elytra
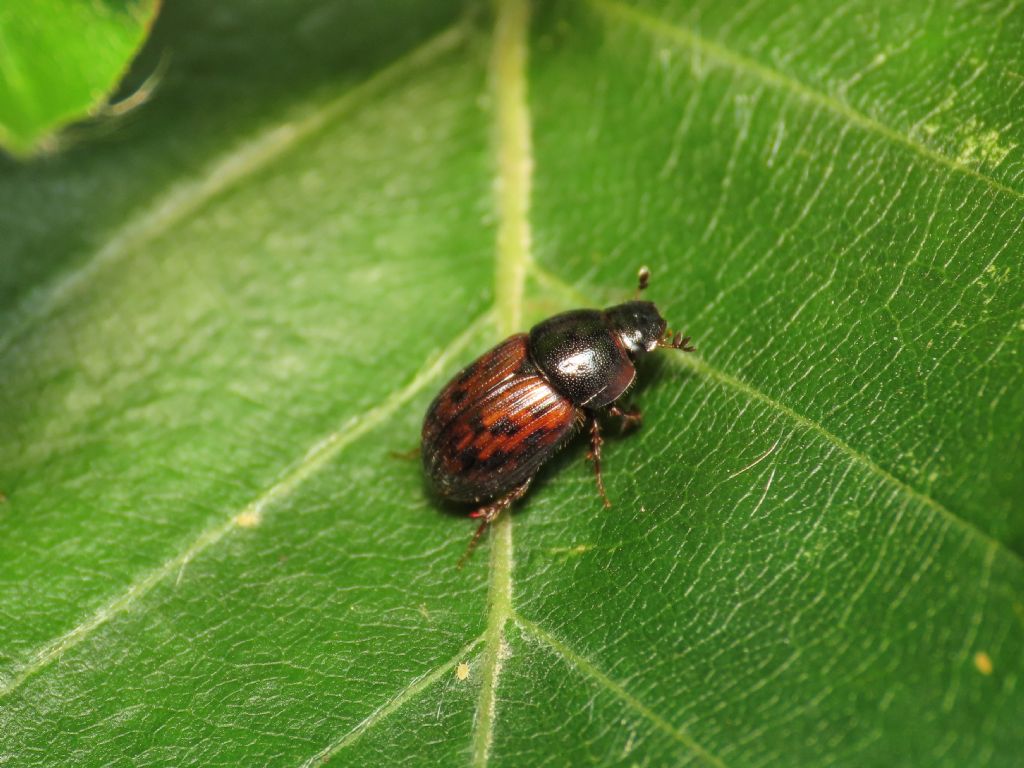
[491, 428]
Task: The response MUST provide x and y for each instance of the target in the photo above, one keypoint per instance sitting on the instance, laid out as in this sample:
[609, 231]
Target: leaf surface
[211, 555]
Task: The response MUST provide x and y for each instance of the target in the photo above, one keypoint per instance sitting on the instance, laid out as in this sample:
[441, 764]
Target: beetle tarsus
[596, 441]
[676, 341]
[488, 513]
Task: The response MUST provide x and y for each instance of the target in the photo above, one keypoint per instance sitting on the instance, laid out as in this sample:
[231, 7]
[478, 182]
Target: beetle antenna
[643, 279]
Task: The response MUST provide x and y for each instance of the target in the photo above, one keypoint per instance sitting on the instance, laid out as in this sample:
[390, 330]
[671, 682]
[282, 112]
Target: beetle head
[638, 325]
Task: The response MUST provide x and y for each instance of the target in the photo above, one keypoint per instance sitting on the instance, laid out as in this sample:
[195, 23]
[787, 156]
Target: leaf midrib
[514, 163]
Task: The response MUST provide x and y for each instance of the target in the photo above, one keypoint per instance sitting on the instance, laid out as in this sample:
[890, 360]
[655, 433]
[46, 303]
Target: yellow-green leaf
[59, 61]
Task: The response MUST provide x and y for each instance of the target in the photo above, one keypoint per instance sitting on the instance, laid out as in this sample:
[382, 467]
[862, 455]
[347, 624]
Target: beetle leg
[596, 441]
[488, 513]
[629, 419]
[676, 341]
[411, 454]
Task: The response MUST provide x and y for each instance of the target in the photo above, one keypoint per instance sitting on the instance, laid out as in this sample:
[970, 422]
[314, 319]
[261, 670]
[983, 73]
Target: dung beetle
[490, 429]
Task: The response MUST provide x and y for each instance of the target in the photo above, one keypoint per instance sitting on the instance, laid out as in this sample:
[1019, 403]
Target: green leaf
[222, 322]
[59, 61]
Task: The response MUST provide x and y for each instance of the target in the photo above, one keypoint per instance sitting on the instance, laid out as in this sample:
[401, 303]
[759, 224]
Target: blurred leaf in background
[219, 321]
[60, 60]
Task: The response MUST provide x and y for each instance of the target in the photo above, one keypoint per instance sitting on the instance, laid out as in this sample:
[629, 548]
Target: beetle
[492, 427]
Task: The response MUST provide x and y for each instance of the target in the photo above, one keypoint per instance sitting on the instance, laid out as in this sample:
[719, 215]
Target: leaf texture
[211, 555]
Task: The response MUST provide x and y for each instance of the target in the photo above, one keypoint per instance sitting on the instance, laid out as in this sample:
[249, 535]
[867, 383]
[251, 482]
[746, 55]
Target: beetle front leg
[629, 419]
[596, 441]
[676, 341]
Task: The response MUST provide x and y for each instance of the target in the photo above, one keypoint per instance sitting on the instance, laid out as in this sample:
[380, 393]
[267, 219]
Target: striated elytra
[490, 429]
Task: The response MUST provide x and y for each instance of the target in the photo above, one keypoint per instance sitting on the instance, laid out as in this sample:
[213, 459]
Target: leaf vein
[702, 367]
[723, 54]
[589, 669]
[314, 459]
[391, 706]
[189, 197]
[706, 369]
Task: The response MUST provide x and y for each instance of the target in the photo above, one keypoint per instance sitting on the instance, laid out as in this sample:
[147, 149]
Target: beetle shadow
[447, 507]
